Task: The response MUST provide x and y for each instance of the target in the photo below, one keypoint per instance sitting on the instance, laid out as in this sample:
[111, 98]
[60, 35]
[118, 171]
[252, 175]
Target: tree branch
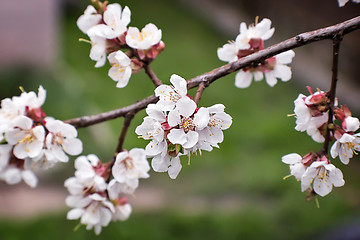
[127, 121]
[152, 75]
[209, 77]
[199, 92]
[331, 94]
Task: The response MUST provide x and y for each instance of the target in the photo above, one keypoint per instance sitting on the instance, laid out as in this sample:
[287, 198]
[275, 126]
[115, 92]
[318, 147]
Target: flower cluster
[176, 126]
[314, 171]
[109, 34]
[312, 116]
[94, 198]
[251, 40]
[30, 140]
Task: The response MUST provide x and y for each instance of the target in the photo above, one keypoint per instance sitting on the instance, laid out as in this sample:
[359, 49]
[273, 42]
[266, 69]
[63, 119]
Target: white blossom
[89, 19]
[149, 36]
[305, 121]
[122, 212]
[61, 138]
[130, 166]
[261, 30]
[169, 95]
[212, 134]
[151, 128]
[351, 124]
[115, 22]
[345, 147]
[95, 211]
[297, 168]
[28, 140]
[120, 70]
[323, 176]
[33, 100]
[228, 52]
[98, 50]
[188, 123]
[13, 175]
[86, 173]
[273, 69]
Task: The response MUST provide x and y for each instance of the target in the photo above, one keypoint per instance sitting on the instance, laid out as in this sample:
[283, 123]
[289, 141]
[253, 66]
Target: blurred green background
[235, 192]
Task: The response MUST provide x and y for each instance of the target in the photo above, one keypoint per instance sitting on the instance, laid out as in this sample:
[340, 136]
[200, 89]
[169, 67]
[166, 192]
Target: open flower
[61, 138]
[274, 68]
[187, 122]
[120, 70]
[28, 140]
[89, 19]
[115, 22]
[261, 31]
[251, 40]
[297, 168]
[130, 166]
[311, 115]
[323, 176]
[149, 36]
[212, 134]
[94, 210]
[152, 126]
[345, 147]
[169, 95]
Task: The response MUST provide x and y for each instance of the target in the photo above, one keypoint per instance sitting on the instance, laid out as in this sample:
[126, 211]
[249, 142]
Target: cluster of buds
[251, 40]
[128, 49]
[176, 126]
[312, 116]
[29, 139]
[97, 199]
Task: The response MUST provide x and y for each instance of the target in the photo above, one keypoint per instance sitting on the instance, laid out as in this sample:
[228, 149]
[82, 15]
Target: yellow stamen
[21, 89]
[85, 40]
[286, 177]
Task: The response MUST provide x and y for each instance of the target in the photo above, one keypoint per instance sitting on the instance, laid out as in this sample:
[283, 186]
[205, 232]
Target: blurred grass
[247, 167]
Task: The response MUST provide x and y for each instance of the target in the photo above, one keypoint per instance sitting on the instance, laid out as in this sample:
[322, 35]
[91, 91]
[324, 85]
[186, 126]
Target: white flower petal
[177, 136]
[243, 79]
[270, 78]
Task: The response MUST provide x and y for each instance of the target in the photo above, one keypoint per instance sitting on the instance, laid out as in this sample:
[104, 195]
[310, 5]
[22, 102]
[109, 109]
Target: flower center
[128, 163]
[28, 138]
[322, 175]
[187, 124]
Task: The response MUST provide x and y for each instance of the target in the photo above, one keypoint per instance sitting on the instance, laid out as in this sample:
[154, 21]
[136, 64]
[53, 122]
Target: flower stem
[199, 92]
[152, 75]
[127, 121]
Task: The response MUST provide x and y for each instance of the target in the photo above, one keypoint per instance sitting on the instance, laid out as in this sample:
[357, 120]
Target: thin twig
[209, 77]
[126, 124]
[152, 75]
[199, 92]
[331, 94]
